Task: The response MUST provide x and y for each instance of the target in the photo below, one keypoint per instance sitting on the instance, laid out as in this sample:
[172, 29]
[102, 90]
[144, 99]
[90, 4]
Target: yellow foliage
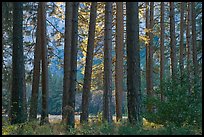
[148, 125]
[59, 3]
[58, 36]
[145, 39]
[6, 130]
[141, 13]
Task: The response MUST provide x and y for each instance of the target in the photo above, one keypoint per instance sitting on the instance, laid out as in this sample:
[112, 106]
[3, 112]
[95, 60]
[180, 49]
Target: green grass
[96, 127]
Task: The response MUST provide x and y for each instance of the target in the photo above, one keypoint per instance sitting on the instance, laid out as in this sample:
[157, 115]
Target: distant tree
[147, 16]
[195, 61]
[44, 113]
[107, 96]
[188, 42]
[162, 50]
[181, 39]
[133, 63]
[18, 94]
[67, 58]
[88, 66]
[74, 47]
[150, 56]
[172, 42]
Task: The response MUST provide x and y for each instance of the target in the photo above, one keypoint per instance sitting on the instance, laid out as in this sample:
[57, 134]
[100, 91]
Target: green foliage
[128, 129]
[99, 117]
[180, 106]
[106, 128]
[7, 129]
[95, 128]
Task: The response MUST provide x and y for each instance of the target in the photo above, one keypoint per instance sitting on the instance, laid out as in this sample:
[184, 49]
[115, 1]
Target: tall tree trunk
[172, 42]
[107, 96]
[162, 50]
[36, 71]
[74, 46]
[195, 62]
[188, 43]
[133, 63]
[181, 40]
[44, 113]
[119, 60]
[150, 58]
[67, 59]
[18, 106]
[88, 67]
[147, 53]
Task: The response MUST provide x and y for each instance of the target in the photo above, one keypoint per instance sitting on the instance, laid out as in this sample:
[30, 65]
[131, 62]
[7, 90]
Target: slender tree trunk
[72, 90]
[133, 63]
[150, 63]
[147, 53]
[88, 67]
[172, 42]
[67, 59]
[188, 44]
[119, 60]
[44, 113]
[181, 40]
[107, 96]
[162, 51]
[36, 71]
[18, 110]
[195, 62]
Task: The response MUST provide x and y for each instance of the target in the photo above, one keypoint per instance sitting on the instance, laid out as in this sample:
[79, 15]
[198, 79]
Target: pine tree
[195, 61]
[88, 67]
[119, 60]
[67, 59]
[172, 42]
[74, 46]
[44, 113]
[162, 50]
[18, 112]
[107, 96]
[181, 39]
[133, 64]
[36, 70]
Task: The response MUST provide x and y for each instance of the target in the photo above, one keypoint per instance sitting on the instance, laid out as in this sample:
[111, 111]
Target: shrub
[179, 107]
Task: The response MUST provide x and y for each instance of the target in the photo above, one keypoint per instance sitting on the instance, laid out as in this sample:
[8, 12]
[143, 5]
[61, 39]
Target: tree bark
[195, 62]
[74, 46]
[44, 113]
[172, 42]
[133, 63]
[162, 51]
[181, 40]
[147, 53]
[150, 63]
[36, 71]
[88, 67]
[18, 94]
[188, 45]
[119, 60]
[67, 59]
[107, 96]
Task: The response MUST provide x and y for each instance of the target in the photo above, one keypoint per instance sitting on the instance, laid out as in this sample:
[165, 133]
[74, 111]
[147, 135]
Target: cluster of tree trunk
[18, 112]
[40, 56]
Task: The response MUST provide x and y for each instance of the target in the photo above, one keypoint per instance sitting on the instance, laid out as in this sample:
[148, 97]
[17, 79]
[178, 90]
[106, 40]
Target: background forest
[132, 67]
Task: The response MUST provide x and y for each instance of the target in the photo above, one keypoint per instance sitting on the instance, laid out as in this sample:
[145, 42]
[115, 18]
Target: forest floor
[95, 127]
[58, 118]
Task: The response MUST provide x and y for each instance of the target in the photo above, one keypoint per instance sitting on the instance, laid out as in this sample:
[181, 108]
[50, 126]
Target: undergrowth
[97, 128]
